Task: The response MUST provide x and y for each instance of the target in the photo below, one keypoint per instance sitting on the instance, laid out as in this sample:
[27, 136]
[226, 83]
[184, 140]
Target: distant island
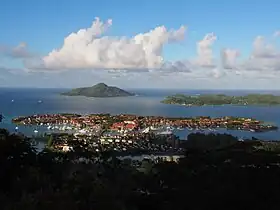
[100, 90]
[221, 99]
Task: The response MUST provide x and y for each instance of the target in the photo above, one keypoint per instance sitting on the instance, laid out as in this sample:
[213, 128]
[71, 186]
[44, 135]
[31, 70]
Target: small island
[221, 99]
[100, 90]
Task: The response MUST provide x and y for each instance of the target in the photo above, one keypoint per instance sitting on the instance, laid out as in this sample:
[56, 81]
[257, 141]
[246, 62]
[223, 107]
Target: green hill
[101, 90]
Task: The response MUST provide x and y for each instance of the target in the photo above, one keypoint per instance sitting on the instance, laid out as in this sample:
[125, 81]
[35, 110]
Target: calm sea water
[25, 102]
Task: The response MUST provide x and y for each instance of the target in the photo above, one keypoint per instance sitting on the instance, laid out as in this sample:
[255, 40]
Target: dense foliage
[220, 99]
[100, 90]
[225, 174]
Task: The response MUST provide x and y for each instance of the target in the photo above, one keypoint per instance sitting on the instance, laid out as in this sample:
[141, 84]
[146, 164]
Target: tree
[50, 141]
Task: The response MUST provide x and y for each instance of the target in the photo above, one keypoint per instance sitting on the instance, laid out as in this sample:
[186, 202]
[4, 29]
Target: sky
[194, 44]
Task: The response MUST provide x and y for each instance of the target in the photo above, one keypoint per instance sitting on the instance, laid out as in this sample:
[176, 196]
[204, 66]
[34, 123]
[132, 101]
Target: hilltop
[101, 90]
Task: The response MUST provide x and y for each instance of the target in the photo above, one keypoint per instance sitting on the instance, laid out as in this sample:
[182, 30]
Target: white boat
[35, 131]
[39, 101]
[153, 128]
[169, 128]
[16, 128]
[12, 100]
[165, 133]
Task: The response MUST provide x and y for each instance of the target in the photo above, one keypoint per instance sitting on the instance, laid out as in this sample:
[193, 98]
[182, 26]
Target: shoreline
[215, 105]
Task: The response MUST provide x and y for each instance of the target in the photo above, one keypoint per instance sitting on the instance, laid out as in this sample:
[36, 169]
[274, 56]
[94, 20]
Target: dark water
[147, 103]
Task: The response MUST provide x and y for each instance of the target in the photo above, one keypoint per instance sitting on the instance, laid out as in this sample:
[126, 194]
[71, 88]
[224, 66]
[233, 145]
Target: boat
[252, 130]
[35, 131]
[12, 100]
[153, 128]
[39, 101]
[169, 128]
[165, 133]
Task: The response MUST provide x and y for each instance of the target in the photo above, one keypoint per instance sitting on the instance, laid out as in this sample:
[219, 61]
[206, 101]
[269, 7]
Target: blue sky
[44, 24]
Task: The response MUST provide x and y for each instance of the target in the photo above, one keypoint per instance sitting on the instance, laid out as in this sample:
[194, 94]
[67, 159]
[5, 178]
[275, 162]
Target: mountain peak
[101, 84]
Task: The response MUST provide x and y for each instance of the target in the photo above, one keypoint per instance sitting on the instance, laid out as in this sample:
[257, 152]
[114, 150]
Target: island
[221, 99]
[101, 90]
[129, 122]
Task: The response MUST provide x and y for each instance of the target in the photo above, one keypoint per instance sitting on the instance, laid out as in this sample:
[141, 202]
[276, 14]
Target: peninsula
[101, 90]
[221, 99]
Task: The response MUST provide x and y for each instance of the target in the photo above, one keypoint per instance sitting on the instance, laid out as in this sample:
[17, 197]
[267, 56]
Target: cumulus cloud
[89, 49]
[20, 51]
[264, 56]
[176, 67]
[229, 58]
[217, 73]
[126, 57]
[205, 56]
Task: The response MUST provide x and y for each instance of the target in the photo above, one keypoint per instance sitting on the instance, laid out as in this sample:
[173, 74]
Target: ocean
[21, 102]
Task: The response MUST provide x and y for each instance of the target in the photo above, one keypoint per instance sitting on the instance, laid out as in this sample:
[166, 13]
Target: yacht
[35, 131]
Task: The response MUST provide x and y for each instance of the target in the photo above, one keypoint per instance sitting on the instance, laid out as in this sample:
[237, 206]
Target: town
[129, 135]
[123, 123]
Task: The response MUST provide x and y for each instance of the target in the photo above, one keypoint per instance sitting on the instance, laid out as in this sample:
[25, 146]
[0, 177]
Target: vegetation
[50, 141]
[100, 90]
[220, 99]
[232, 175]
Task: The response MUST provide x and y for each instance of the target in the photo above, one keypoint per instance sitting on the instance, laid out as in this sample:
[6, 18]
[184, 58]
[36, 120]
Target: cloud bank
[90, 49]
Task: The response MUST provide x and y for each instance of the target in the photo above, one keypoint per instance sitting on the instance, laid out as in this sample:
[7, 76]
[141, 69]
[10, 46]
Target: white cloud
[276, 34]
[229, 57]
[205, 56]
[264, 57]
[20, 51]
[88, 49]
[217, 73]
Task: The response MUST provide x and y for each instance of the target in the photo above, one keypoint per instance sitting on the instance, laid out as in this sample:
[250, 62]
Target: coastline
[218, 105]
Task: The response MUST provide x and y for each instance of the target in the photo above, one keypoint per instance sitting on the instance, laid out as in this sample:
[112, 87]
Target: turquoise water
[25, 102]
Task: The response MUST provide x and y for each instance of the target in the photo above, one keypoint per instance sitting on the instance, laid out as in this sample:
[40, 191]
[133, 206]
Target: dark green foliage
[50, 141]
[222, 174]
[100, 90]
[221, 99]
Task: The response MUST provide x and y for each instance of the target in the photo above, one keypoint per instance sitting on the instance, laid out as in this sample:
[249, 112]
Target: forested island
[221, 99]
[101, 90]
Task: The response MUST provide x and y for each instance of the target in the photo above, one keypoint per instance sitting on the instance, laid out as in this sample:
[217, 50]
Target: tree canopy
[218, 171]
